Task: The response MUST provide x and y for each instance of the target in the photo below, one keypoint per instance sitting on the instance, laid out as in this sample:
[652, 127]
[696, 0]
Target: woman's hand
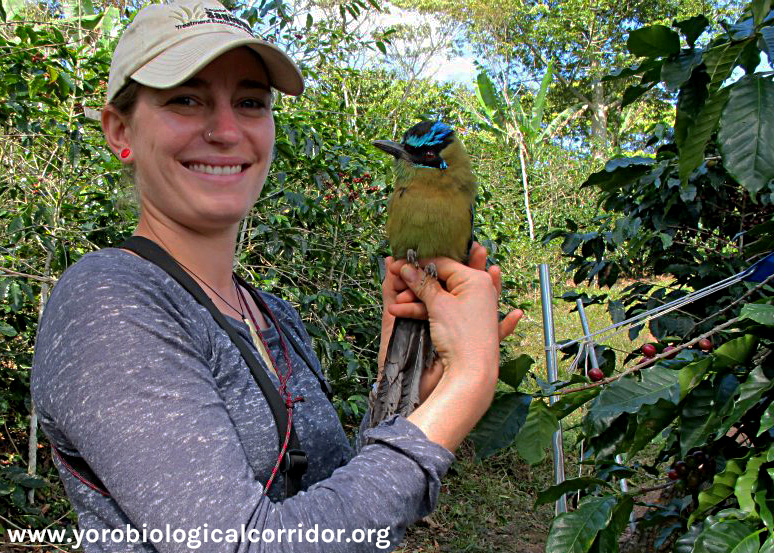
[400, 301]
[466, 333]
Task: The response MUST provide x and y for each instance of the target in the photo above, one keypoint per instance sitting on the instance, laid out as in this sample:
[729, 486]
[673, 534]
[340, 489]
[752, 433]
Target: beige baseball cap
[167, 44]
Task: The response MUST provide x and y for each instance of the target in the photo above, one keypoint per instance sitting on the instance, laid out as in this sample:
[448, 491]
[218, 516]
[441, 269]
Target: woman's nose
[223, 126]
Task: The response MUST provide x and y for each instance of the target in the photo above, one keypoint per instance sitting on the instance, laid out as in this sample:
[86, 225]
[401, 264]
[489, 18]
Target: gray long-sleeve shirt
[132, 374]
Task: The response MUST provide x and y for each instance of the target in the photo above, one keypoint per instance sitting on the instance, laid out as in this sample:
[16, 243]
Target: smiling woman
[201, 150]
[189, 408]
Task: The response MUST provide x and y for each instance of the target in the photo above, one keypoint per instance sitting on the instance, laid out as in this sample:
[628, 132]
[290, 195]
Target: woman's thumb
[424, 286]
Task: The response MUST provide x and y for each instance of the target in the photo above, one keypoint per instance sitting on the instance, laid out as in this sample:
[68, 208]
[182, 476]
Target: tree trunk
[598, 119]
[32, 444]
[523, 166]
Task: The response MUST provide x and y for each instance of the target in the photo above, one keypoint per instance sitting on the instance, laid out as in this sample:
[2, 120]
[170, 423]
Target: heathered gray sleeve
[124, 376]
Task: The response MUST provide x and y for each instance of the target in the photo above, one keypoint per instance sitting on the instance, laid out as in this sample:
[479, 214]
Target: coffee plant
[696, 207]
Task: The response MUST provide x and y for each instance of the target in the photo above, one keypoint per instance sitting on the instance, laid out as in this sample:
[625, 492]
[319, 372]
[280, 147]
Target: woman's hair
[127, 97]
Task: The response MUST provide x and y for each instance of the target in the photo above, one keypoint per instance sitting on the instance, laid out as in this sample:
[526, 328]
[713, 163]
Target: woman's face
[202, 150]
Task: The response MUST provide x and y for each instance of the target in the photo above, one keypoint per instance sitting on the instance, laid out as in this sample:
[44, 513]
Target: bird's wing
[472, 231]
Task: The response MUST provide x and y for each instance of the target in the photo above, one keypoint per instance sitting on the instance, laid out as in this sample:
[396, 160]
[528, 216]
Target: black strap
[155, 254]
[81, 470]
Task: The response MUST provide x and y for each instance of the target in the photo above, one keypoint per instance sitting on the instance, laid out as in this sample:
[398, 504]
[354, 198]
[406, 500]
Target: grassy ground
[486, 507]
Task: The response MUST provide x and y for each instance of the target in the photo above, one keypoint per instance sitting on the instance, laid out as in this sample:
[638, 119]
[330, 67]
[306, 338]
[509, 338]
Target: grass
[486, 507]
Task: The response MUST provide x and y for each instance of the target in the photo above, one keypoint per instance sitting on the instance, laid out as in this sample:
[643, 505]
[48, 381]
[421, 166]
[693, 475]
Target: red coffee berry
[705, 344]
[649, 350]
[596, 374]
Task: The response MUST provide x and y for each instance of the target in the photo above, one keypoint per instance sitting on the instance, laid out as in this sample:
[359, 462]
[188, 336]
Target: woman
[133, 377]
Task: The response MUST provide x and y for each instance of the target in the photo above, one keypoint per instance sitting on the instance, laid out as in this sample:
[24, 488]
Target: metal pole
[589, 345]
[546, 300]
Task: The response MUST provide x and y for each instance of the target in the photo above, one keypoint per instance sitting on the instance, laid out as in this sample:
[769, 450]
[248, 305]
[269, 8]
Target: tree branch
[10, 273]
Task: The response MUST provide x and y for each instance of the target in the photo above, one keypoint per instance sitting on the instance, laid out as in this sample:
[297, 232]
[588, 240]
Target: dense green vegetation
[679, 201]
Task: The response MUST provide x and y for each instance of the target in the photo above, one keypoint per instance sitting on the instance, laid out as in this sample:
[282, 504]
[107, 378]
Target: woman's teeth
[215, 169]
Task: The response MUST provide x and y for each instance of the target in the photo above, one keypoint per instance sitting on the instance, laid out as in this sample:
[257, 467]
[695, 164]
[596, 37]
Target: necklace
[197, 277]
[224, 300]
[255, 334]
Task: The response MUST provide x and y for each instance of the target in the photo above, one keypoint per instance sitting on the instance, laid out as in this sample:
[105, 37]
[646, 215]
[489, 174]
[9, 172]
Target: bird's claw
[411, 257]
[431, 271]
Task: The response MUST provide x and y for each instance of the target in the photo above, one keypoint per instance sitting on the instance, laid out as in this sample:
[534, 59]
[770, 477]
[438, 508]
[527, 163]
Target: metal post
[589, 345]
[546, 300]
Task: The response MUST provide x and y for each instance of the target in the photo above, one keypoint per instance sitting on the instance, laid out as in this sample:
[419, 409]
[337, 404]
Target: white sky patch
[440, 68]
[458, 70]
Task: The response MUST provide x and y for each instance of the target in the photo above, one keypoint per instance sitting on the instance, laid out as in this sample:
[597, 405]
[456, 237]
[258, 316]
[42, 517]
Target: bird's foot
[431, 271]
[411, 257]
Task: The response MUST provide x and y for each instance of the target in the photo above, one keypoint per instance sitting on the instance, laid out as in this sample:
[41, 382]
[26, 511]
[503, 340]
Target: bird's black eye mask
[425, 141]
[427, 156]
[421, 145]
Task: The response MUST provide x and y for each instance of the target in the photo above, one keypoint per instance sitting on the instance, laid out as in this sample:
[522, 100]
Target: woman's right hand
[465, 332]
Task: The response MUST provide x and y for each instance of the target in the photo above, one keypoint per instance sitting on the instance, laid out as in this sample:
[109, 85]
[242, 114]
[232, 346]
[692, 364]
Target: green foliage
[722, 487]
[572, 485]
[574, 532]
[748, 124]
[535, 435]
[696, 208]
[501, 423]
[513, 372]
[653, 41]
[629, 395]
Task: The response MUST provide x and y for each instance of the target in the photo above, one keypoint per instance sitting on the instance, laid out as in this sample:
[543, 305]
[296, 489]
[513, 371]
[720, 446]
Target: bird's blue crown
[420, 136]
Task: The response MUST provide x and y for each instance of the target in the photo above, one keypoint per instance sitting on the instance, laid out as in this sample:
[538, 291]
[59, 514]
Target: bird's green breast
[430, 212]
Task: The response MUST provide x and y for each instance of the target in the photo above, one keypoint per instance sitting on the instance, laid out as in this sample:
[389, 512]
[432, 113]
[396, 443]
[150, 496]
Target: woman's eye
[253, 103]
[183, 101]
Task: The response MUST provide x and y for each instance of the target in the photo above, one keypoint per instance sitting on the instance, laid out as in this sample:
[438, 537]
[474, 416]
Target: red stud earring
[125, 153]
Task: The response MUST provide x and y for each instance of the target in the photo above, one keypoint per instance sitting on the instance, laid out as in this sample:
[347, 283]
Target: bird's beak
[392, 148]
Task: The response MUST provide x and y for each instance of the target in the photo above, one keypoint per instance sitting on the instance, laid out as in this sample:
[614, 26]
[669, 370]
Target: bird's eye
[430, 155]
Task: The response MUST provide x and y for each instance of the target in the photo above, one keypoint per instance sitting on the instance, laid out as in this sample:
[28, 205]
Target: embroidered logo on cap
[184, 14]
[201, 15]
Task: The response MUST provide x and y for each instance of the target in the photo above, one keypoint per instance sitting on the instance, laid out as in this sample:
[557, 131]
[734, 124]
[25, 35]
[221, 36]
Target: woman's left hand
[400, 301]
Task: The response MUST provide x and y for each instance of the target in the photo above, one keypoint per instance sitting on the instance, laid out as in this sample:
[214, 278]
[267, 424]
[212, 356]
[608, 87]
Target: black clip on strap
[155, 254]
[293, 466]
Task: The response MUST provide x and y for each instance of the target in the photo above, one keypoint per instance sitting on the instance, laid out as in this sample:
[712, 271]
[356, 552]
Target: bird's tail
[410, 350]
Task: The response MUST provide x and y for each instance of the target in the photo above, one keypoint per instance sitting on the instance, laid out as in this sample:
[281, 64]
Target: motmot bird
[430, 214]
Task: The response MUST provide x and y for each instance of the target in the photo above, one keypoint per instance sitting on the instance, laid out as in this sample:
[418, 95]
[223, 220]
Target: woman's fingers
[508, 324]
[409, 310]
[495, 274]
[477, 256]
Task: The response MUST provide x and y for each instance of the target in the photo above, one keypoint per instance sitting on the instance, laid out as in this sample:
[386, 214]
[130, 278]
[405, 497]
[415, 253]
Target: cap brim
[182, 61]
